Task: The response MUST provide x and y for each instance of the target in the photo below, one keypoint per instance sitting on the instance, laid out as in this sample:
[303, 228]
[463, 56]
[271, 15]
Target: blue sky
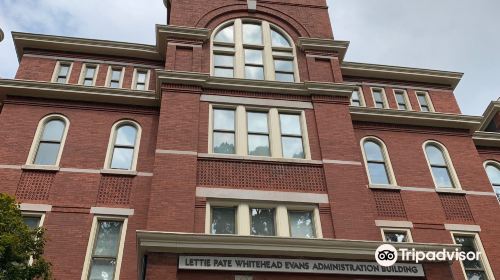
[455, 35]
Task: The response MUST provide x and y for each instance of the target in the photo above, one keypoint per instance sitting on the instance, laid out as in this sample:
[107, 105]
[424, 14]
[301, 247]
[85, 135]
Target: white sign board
[298, 266]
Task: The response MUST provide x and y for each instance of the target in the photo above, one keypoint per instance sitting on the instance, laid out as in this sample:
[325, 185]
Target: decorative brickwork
[35, 185]
[114, 190]
[455, 207]
[261, 176]
[389, 204]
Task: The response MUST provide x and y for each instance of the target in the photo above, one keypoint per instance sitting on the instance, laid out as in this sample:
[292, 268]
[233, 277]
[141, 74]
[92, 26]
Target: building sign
[298, 266]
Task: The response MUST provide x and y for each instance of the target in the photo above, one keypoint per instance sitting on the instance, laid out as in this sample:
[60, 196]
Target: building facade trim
[112, 211]
[256, 101]
[35, 207]
[239, 194]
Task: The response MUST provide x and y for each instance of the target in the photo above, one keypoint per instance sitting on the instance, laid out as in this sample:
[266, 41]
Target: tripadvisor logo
[387, 255]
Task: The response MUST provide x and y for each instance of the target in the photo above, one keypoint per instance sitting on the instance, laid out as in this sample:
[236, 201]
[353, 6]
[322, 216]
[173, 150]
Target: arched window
[252, 49]
[493, 171]
[49, 141]
[440, 166]
[377, 162]
[124, 146]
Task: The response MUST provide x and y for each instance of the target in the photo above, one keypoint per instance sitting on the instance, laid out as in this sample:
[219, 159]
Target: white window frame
[55, 74]
[92, 239]
[266, 47]
[36, 139]
[241, 131]
[449, 163]
[110, 71]
[496, 164]
[134, 79]
[111, 144]
[361, 98]
[427, 97]
[479, 246]
[40, 215]
[406, 98]
[81, 79]
[385, 153]
[243, 217]
[386, 229]
[384, 97]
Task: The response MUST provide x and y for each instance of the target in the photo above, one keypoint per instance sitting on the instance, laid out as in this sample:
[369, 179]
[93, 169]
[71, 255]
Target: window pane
[254, 73]
[377, 95]
[373, 151]
[126, 135]
[401, 101]
[114, 84]
[108, 238]
[140, 87]
[88, 82]
[257, 122]
[435, 155]
[290, 124]
[47, 153]
[224, 60]
[61, 80]
[141, 77]
[378, 173]
[468, 245]
[422, 100]
[497, 191]
[222, 72]
[442, 177]
[356, 103]
[258, 145]
[116, 75]
[282, 77]
[279, 40]
[494, 174]
[32, 222]
[424, 109]
[224, 119]
[396, 237]
[102, 269]
[252, 34]
[223, 143]
[63, 70]
[226, 35]
[476, 275]
[223, 221]
[292, 147]
[53, 131]
[122, 158]
[253, 57]
[283, 65]
[301, 224]
[262, 221]
[90, 71]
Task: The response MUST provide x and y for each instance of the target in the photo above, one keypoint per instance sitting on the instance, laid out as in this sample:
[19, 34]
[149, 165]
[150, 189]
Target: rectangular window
[224, 131]
[474, 269]
[32, 221]
[291, 136]
[262, 221]
[402, 100]
[104, 255]
[424, 101]
[63, 71]
[284, 70]
[89, 74]
[396, 235]
[141, 80]
[223, 220]
[301, 224]
[357, 98]
[379, 98]
[254, 64]
[258, 134]
[224, 65]
[115, 78]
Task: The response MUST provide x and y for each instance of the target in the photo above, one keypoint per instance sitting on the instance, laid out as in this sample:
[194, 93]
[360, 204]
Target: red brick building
[243, 146]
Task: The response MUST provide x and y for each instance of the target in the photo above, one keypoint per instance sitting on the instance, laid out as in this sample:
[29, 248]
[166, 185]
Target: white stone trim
[176, 152]
[35, 207]
[256, 101]
[342, 162]
[261, 195]
[91, 61]
[9, 166]
[394, 229]
[460, 227]
[112, 211]
[393, 224]
[252, 5]
[80, 170]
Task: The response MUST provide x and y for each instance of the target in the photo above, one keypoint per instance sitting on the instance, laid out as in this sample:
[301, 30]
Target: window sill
[118, 172]
[257, 158]
[53, 168]
[385, 187]
[455, 191]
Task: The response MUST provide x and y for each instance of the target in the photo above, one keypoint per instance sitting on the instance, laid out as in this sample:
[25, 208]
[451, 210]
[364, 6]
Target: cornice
[190, 243]
[328, 45]
[165, 33]
[207, 81]
[57, 91]
[489, 113]
[24, 41]
[488, 139]
[415, 118]
[364, 70]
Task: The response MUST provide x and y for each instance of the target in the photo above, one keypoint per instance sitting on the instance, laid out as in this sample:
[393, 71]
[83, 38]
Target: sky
[454, 35]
